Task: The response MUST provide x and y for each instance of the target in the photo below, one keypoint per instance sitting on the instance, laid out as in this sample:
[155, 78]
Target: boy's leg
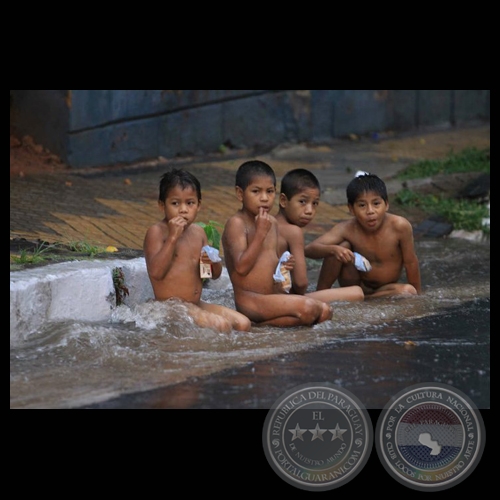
[238, 321]
[333, 270]
[391, 290]
[207, 319]
[283, 309]
[348, 293]
[329, 272]
[349, 276]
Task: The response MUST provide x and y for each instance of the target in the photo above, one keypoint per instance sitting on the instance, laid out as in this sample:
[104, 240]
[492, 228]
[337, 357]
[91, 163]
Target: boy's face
[369, 209]
[301, 208]
[181, 203]
[260, 193]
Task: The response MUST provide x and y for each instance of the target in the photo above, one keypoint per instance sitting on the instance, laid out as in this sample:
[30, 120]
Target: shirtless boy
[298, 202]
[250, 242]
[173, 251]
[384, 239]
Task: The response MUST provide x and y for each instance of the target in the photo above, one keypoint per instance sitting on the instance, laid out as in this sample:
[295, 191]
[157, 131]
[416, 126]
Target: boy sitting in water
[298, 202]
[250, 242]
[384, 239]
[173, 252]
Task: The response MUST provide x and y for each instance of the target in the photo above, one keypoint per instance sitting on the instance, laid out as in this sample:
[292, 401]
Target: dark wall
[88, 128]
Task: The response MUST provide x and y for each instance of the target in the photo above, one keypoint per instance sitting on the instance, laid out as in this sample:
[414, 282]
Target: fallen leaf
[127, 181]
[68, 183]
[409, 344]
[111, 248]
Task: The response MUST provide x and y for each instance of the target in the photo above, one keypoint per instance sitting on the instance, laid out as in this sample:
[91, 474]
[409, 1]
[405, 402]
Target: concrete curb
[73, 291]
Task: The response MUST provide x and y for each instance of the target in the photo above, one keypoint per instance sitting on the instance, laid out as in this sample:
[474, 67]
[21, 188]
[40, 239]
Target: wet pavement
[115, 205]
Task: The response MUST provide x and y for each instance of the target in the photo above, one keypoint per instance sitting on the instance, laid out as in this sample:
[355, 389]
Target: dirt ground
[27, 157]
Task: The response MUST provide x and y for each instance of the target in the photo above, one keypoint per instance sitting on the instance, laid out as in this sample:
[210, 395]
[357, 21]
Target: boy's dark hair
[295, 181]
[363, 184]
[253, 168]
[178, 177]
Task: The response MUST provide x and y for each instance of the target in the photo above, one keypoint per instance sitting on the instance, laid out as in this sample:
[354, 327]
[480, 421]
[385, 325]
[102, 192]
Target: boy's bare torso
[382, 249]
[183, 276]
[259, 279]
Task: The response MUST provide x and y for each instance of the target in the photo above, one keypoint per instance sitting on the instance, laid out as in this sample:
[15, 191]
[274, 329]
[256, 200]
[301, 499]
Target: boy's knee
[358, 294]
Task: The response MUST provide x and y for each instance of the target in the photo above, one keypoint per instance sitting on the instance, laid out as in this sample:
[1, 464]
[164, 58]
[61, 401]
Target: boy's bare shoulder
[197, 229]
[343, 225]
[290, 230]
[398, 221]
[157, 227]
[234, 219]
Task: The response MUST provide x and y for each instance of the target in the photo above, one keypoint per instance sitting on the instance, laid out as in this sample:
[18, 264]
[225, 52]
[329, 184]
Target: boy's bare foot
[206, 319]
[326, 313]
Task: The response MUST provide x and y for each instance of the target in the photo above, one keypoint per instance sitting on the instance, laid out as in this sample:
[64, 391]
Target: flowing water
[153, 356]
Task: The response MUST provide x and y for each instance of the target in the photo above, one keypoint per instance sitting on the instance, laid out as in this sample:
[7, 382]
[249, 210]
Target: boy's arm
[159, 253]
[410, 259]
[329, 244]
[245, 255]
[216, 269]
[295, 240]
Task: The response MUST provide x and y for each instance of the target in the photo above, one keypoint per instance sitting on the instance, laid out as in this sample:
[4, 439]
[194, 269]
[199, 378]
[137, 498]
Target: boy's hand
[343, 254]
[263, 221]
[289, 263]
[205, 258]
[176, 226]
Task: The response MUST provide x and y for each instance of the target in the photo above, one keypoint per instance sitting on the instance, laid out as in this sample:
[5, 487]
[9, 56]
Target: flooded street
[152, 356]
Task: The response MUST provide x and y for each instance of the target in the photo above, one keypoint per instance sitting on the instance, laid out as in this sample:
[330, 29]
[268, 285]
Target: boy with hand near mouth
[173, 249]
[251, 245]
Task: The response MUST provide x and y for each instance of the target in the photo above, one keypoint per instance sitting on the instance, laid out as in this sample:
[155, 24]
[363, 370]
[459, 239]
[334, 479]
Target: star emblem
[337, 433]
[297, 433]
[317, 433]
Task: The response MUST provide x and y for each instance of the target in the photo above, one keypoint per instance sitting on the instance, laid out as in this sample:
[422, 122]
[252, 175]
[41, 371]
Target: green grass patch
[462, 213]
[468, 160]
[35, 255]
[85, 248]
[54, 252]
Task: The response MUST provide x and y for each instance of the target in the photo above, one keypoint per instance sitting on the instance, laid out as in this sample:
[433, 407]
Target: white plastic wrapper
[282, 275]
[362, 264]
[213, 253]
